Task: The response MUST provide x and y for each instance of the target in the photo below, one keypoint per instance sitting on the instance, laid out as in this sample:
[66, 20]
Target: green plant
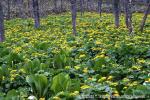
[34, 66]
[13, 94]
[63, 82]
[62, 59]
[39, 85]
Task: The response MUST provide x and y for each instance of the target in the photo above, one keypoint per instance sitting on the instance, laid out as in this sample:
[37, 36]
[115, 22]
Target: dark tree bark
[89, 5]
[20, 6]
[74, 15]
[108, 3]
[8, 9]
[128, 15]
[92, 4]
[61, 6]
[145, 17]
[116, 12]
[30, 8]
[1, 24]
[36, 13]
[81, 7]
[100, 8]
[55, 5]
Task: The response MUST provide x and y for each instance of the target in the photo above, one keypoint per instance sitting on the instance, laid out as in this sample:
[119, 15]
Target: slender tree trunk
[100, 8]
[116, 12]
[1, 24]
[81, 7]
[108, 3]
[36, 13]
[74, 15]
[61, 5]
[92, 4]
[89, 5]
[30, 8]
[8, 9]
[55, 5]
[145, 17]
[128, 15]
[20, 6]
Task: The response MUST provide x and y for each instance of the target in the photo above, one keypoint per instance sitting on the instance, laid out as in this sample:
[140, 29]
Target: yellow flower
[56, 98]
[75, 93]
[114, 83]
[90, 39]
[115, 93]
[85, 70]
[99, 56]
[110, 77]
[42, 99]
[125, 87]
[90, 78]
[135, 83]
[13, 71]
[102, 79]
[141, 61]
[3, 78]
[76, 67]
[147, 80]
[98, 42]
[22, 70]
[12, 78]
[17, 49]
[85, 87]
[126, 80]
[136, 67]
[82, 56]
[67, 67]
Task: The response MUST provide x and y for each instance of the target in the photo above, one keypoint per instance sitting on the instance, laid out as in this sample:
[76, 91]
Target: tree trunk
[36, 13]
[116, 12]
[1, 24]
[92, 4]
[8, 9]
[74, 15]
[81, 7]
[128, 15]
[55, 6]
[89, 5]
[145, 17]
[61, 5]
[20, 6]
[100, 8]
[30, 8]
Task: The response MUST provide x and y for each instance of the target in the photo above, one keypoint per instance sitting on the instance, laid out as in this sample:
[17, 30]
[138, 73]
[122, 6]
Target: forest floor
[100, 60]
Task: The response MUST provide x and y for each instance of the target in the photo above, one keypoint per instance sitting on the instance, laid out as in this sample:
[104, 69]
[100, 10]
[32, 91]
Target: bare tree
[20, 6]
[1, 24]
[89, 5]
[36, 13]
[145, 17]
[8, 9]
[55, 5]
[81, 7]
[116, 12]
[100, 7]
[61, 6]
[128, 14]
[74, 15]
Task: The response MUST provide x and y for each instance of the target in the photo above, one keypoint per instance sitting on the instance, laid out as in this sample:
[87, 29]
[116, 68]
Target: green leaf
[39, 84]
